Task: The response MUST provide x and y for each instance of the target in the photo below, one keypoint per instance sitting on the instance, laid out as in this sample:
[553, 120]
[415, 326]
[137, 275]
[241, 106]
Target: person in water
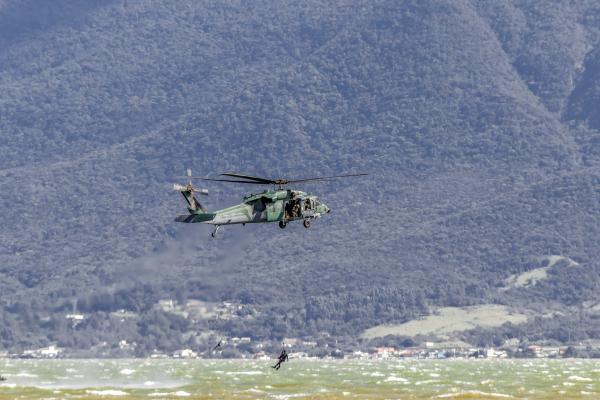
[283, 357]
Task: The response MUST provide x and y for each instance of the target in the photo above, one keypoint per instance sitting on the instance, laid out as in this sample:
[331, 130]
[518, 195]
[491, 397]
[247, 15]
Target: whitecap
[181, 393]
[474, 393]
[8, 385]
[254, 390]
[26, 375]
[426, 382]
[127, 371]
[579, 378]
[464, 383]
[394, 378]
[245, 373]
[110, 392]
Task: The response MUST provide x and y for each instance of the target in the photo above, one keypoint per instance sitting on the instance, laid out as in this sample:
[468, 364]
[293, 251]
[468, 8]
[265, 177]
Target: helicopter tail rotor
[183, 188]
[188, 193]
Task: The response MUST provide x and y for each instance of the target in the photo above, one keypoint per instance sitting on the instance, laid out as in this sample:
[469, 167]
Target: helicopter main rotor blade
[226, 180]
[262, 181]
[249, 177]
[321, 178]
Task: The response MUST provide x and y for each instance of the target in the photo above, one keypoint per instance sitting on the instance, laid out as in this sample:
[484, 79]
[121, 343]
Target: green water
[300, 379]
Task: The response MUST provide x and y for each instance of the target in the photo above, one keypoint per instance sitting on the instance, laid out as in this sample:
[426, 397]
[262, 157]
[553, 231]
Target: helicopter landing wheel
[282, 224]
[306, 223]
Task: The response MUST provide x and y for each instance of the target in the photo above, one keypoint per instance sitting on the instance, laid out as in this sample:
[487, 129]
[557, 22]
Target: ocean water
[300, 379]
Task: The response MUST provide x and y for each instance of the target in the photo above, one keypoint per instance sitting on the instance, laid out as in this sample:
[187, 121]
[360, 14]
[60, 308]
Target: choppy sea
[300, 379]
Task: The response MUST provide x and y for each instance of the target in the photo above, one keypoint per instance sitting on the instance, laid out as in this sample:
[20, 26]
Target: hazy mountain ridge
[473, 168]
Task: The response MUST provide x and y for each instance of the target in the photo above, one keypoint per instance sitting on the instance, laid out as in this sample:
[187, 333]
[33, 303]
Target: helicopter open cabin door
[275, 211]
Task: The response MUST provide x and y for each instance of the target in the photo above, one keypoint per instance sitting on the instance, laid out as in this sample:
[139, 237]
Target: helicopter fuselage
[268, 206]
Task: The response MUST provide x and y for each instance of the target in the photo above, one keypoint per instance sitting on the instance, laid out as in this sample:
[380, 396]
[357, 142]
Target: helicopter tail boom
[197, 211]
[192, 218]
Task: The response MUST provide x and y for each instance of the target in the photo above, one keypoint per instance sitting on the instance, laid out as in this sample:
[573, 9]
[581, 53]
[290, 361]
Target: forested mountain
[476, 121]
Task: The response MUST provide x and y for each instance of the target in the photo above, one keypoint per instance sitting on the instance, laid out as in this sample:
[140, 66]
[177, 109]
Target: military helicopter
[276, 205]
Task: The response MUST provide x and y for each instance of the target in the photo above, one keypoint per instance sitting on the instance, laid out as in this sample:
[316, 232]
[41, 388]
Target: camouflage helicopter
[275, 205]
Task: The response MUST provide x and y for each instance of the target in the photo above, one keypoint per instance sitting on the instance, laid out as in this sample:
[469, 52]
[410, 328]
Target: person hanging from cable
[283, 357]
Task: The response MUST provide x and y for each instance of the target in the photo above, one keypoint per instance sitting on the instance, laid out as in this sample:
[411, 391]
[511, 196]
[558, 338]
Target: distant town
[246, 348]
